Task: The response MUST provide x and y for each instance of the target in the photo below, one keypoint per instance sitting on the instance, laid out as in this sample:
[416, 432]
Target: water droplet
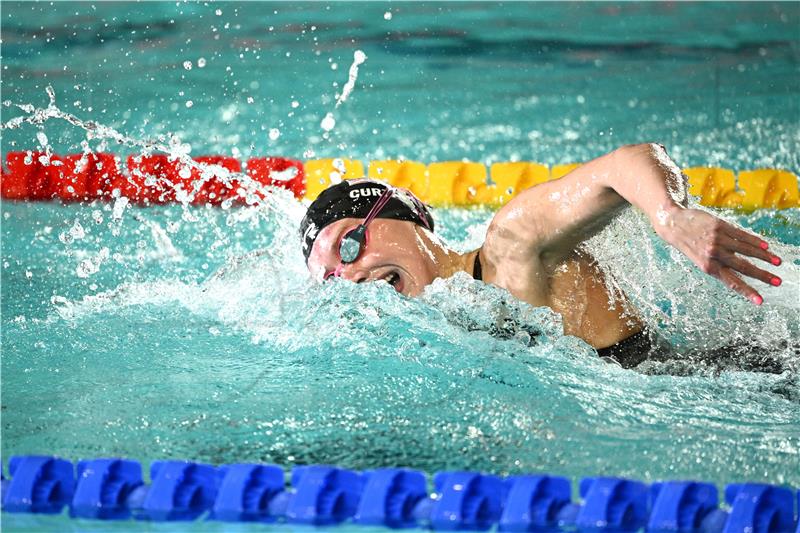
[75, 233]
[283, 175]
[119, 207]
[338, 164]
[328, 123]
[85, 269]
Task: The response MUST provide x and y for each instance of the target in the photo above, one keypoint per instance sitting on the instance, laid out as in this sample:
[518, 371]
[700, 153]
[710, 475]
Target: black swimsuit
[628, 352]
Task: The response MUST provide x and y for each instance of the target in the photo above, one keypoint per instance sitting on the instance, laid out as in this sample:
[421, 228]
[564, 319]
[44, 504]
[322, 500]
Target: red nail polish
[758, 300]
[775, 281]
[775, 260]
[764, 245]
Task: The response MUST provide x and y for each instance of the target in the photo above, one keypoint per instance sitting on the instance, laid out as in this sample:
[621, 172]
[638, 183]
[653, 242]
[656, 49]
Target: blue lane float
[38, 484]
[114, 489]
[246, 491]
[103, 488]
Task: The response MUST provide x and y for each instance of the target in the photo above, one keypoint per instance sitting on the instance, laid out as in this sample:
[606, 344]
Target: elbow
[638, 149]
[635, 158]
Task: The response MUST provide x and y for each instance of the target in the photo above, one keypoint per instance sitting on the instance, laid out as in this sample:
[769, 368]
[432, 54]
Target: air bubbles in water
[187, 65]
[387, 15]
[201, 62]
[274, 133]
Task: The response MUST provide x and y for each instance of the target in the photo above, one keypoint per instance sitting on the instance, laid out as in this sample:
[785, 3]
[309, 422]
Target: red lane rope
[145, 179]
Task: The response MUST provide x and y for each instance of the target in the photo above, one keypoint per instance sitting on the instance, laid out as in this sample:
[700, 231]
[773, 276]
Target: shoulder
[516, 227]
[509, 252]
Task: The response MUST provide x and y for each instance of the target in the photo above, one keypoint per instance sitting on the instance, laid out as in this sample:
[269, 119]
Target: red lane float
[14, 184]
[215, 191]
[71, 178]
[151, 179]
[278, 172]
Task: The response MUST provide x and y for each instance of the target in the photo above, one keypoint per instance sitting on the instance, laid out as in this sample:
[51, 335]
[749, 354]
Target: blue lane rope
[114, 489]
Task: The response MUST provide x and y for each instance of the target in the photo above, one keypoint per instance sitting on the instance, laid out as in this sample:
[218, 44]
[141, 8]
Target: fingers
[751, 245]
[747, 248]
[750, 270]
[735, 283]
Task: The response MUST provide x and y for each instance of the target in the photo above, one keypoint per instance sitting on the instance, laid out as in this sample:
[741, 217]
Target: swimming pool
[172, 346]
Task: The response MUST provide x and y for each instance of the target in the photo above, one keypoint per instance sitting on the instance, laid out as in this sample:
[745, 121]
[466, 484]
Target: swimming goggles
[354, 241]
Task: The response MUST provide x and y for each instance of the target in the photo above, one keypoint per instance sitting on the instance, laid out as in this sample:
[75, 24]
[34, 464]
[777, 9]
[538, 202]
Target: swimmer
[363, 230]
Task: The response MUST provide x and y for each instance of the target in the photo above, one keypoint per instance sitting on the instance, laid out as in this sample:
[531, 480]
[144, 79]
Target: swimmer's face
[395, 252]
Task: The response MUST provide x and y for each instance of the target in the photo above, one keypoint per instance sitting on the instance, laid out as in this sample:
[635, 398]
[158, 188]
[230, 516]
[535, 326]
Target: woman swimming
[363, 230]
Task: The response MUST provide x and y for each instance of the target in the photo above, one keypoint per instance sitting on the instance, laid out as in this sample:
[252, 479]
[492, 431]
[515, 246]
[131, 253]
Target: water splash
[464, 375]
[696, 313]
[255, 193]
[359, 58]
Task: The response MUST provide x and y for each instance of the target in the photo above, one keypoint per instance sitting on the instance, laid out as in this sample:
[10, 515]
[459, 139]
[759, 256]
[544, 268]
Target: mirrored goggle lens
[350, 247]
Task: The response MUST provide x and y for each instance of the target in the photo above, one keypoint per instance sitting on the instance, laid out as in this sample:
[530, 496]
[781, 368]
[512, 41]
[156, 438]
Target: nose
[351, 272]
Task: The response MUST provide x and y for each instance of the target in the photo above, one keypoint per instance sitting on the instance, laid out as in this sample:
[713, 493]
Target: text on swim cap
[355, 193]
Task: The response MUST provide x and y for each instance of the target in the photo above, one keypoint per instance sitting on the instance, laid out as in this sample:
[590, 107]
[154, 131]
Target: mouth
[394, 279]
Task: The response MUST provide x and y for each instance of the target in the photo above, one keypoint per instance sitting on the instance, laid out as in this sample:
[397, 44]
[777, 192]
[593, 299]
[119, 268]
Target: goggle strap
[420, 214]
[387, 194]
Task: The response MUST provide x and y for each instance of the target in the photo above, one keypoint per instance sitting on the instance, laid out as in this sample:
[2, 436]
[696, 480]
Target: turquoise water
[172, 332]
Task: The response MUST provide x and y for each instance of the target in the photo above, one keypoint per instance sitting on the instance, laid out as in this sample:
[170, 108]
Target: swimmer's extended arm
[550, 220]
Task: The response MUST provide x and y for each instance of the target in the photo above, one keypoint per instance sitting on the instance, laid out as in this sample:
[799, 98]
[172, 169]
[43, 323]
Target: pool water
[193, 333]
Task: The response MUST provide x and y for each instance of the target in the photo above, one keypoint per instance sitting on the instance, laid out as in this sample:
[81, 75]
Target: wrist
[664, 218]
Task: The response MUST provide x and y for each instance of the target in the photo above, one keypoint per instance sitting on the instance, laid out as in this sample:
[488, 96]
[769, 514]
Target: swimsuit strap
[476, 270]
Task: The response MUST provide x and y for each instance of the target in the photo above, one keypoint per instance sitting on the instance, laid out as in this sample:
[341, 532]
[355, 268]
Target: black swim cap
[354, 199]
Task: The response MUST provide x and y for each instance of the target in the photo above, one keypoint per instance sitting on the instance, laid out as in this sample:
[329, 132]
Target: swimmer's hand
[549, 221]
[718, 248]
